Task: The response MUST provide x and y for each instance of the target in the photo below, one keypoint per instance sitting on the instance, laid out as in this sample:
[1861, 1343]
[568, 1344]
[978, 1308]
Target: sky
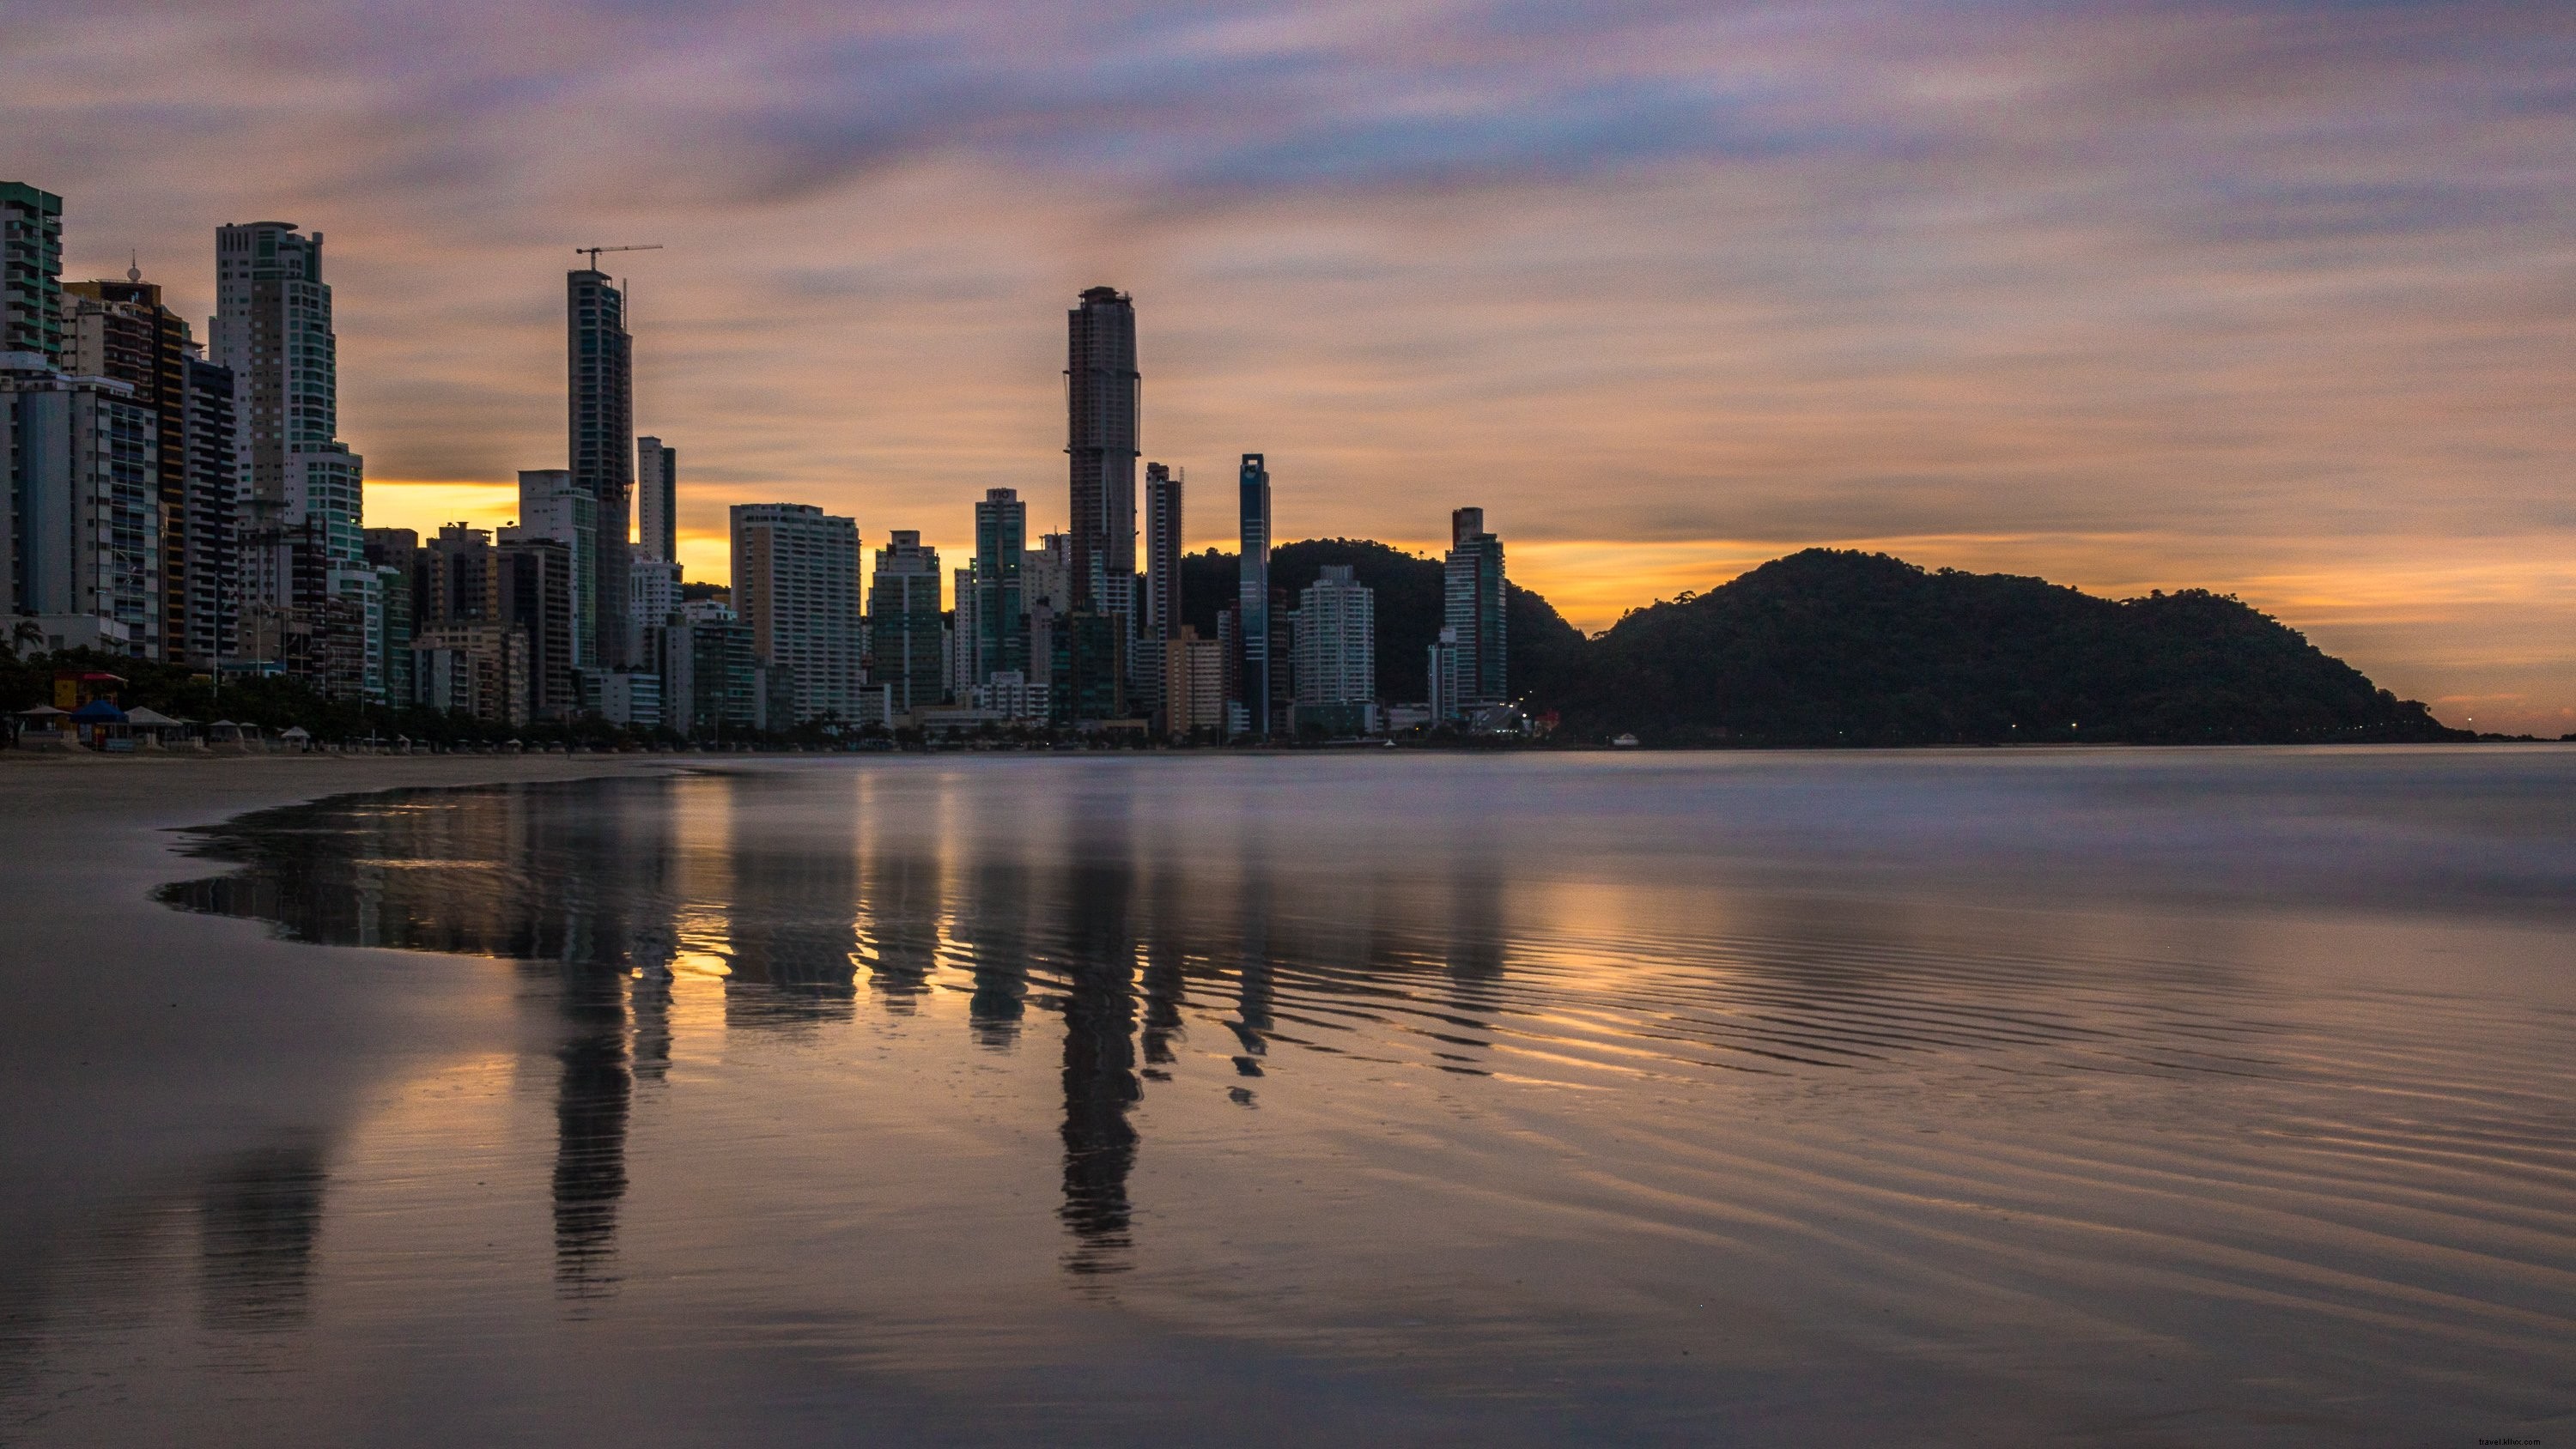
[2273, 299]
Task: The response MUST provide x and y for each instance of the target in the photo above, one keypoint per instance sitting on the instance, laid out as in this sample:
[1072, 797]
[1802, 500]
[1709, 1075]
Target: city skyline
[2123, 301]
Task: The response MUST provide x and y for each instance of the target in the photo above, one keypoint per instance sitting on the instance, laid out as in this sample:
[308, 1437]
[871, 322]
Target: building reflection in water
[594, 1094]
[609, 888]
[258, 1216]
[1100, 1085]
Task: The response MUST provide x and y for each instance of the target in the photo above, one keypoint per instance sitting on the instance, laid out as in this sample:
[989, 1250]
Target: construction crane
[593, 252]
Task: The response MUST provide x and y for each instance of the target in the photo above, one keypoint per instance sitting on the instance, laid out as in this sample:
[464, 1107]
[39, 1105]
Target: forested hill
[1829, 647]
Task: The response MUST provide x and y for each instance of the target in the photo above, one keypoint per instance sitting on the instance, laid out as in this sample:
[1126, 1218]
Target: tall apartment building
[395, 554]
[959, 661]
[1046, 590]
[480, 669]
[1193, 685]
[1441, 676]
[80, 547]
[1103, 403]
[1336, 641]
[208, 629]
[709, 673]
[550, 506]
[904, 629]
[652, 592]
[122, 330]
[999, 612]
[657, 501]
[1252, 596]
[533, 578]
[31, 271]
[600, 398]
[1474, 598]
[458, 581]
[303, 548]
[1159, 615]
[796, 584]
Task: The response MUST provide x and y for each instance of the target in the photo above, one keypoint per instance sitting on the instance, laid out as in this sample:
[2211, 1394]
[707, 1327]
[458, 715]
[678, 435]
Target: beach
[2124, 1096]
[126, 1062]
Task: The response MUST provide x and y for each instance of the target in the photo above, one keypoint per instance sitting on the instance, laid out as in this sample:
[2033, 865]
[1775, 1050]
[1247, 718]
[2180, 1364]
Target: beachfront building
[1193, 685]
[1336, 653]
[600, 401]
[905, 634]
[796, 585]
[480, 669]
[1474, 612]
[80, 543]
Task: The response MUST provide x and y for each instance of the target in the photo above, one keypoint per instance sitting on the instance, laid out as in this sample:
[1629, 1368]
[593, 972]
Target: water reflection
[593, 1096]
[258, 1216]
[1081, 908]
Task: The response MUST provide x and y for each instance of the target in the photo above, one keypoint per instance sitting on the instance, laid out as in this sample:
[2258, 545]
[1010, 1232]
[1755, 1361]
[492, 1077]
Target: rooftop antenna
[134, 266]
[593, 252]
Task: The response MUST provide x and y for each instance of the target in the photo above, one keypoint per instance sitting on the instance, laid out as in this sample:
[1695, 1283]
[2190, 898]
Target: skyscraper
[1046, 590]
[1252, 597]
[303, 552]
[272, 327]
[1474, 596]
[1336, 645]
[796, 584]
[1161, 611]
[119, 329]
[1158, 613]
[31, 270]
[212, 562]
[82, 531]
[533, 582]
[903, 622]
[1103, 397]
[551, 506]
[1000, 610]
[657, 501]
[601, 403]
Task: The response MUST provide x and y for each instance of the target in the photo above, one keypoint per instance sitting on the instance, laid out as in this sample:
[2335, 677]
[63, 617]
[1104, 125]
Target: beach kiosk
[102, 726]
[45, 728]
[297, 739]
[154, 730]
[225, 737]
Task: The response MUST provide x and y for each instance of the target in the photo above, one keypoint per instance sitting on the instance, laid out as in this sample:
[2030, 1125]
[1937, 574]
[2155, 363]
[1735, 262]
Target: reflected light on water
[2029, 1095]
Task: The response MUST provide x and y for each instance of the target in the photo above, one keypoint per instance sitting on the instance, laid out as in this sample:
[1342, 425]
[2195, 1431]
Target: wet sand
[2150, 1098]
[125, 1065]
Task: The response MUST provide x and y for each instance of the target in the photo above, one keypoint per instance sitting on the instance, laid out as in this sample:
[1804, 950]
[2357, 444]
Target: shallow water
[2130, 1097]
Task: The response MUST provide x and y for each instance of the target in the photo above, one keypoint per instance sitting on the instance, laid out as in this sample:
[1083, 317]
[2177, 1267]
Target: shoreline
[145, 1045]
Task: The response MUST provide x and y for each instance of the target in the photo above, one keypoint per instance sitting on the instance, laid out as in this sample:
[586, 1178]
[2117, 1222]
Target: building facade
[657, 501]
[1336, 641]
[906, 640]
[550, 506]
[533, 577]
[600, 398]
[796, 586]
[1474, 608]
[999, 612]
[479, 669]
[1252, 596]
[1104, 398]
[82, 536]
[1193, 685]
[303, 575]
[710, 680]
[119, 329]
[31, 272]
